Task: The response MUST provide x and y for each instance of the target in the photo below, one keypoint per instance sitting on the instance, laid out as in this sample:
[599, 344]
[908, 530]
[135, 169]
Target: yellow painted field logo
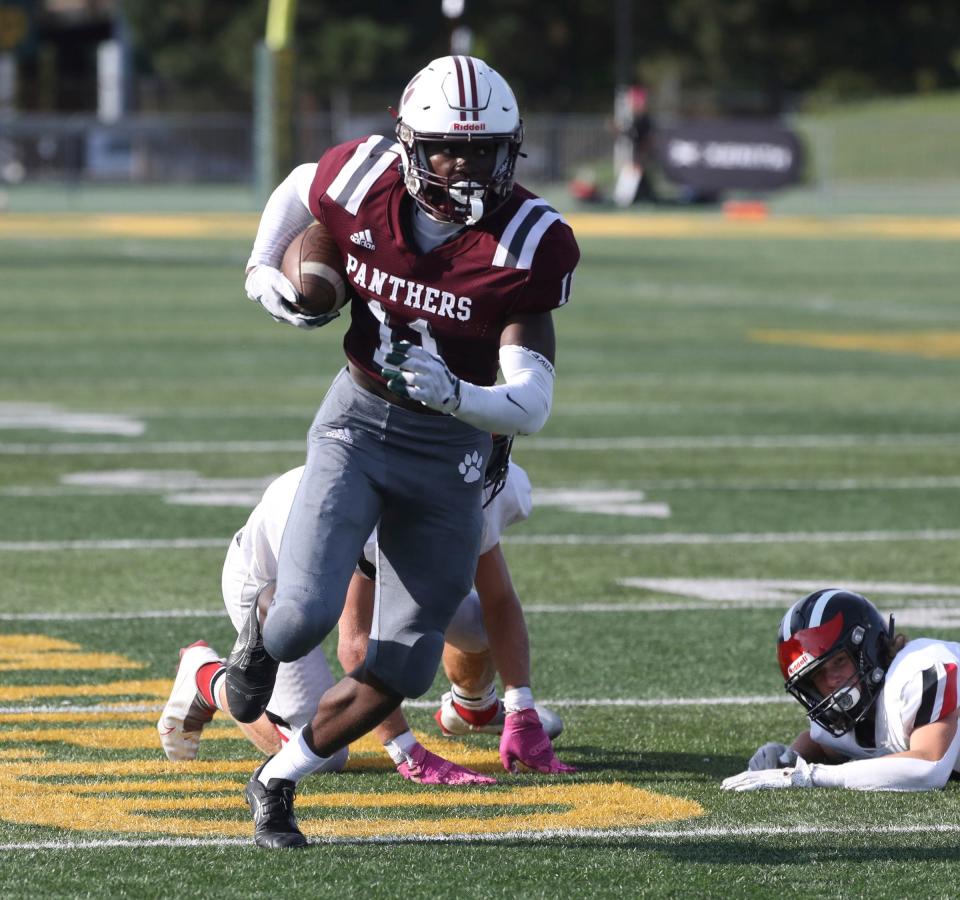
[678, 226]
[148, 795]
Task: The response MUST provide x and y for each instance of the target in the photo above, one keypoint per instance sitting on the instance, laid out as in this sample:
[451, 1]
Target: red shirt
[454, 299]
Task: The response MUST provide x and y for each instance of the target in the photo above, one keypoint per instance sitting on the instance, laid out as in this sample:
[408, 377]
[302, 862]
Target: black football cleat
[251, 672]
[274, 824]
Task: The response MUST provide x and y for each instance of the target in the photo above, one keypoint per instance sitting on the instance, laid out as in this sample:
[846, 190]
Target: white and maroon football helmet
[818, 628]
[458, 98]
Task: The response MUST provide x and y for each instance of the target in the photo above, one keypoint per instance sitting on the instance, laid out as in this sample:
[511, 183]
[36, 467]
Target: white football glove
[799, 776]
[772, 756]
[274, 292]
[422, 376]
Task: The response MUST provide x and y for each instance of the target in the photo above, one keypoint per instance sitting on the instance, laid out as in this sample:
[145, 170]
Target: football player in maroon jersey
[455, 271]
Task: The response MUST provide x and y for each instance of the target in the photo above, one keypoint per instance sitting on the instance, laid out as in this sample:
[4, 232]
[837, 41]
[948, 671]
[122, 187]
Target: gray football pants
[420, 477]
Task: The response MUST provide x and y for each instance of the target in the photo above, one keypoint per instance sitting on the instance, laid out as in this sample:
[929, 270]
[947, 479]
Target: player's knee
[408, 671]
[351, 650]
[413, 683]
[466, 630]
[291, 632]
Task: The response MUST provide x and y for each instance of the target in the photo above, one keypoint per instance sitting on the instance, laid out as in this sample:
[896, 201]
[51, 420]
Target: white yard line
[679, 538]
[72, 709]
[948, 482]
[742, 441]
[770, 537]
[942, 600]
[653, 834]
[113, 616]
[595, 702]
[834, 484]
[679, 442]
[134, 447]
[118, 544]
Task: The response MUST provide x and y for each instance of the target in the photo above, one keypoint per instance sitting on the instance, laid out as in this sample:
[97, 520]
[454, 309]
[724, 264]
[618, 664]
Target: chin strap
[476, 211]
[465, 193]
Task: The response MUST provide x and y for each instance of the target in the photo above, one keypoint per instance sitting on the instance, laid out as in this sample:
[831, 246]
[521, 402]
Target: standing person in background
[634, 149]
[454, 268]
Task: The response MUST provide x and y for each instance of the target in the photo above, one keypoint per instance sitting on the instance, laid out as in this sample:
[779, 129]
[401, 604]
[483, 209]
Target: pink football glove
[525, 742]
[428, 768]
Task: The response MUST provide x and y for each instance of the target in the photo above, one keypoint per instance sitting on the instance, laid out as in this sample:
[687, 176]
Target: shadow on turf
[643, 764]
[786, 852]
[719, 851]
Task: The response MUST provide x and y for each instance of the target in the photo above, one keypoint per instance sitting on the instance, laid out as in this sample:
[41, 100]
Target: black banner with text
[730, 155]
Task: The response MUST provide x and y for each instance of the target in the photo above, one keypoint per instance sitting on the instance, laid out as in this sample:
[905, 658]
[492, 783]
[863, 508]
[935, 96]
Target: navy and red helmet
[817, 629]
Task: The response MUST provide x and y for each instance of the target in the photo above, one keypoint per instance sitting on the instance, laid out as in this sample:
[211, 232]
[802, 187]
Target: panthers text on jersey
[920, 688]
[453, 300]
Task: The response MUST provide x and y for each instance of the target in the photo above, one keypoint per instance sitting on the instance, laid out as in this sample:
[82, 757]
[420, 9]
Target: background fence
[218, 148]
[913, 157]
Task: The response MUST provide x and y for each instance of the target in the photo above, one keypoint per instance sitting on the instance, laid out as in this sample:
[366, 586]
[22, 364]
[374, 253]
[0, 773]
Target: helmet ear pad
[409, 171]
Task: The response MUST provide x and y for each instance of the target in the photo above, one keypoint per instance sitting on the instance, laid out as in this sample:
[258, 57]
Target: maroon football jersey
[453, 300]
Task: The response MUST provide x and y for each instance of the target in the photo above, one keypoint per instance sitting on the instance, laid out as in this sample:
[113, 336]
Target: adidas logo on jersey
[340, 434]
[364, 239]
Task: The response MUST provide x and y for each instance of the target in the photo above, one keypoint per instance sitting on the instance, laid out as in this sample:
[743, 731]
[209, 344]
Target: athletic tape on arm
[521, 405]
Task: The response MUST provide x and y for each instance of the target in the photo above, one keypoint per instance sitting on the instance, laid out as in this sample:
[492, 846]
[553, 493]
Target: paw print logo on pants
[472, 467]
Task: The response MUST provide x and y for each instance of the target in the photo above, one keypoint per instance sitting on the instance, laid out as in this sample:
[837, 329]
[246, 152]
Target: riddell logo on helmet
[799, 663]
[468, 126]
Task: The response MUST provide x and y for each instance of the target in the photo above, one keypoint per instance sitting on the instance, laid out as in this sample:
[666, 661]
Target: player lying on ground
[470, 658]
[886, 705]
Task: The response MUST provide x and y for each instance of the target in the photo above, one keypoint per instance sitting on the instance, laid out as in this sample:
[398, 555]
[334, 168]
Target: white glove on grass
[799, 776]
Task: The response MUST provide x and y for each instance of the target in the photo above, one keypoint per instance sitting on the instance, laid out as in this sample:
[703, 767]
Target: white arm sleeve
[886, 774]
[286, 214]
[521, 405]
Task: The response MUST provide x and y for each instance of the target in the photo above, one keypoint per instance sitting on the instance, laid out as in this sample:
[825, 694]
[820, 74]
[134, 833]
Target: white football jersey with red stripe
[513, 504]
[251, 563]
[920, 688]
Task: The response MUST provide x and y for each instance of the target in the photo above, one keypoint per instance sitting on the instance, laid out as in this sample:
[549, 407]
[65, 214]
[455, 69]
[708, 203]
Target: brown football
[315, 268]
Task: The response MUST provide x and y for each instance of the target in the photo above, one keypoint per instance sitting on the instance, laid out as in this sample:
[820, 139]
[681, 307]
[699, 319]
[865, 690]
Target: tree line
[566, 54]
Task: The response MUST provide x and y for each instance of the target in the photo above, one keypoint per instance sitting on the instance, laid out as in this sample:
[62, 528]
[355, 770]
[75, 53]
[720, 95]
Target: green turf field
[739, 418]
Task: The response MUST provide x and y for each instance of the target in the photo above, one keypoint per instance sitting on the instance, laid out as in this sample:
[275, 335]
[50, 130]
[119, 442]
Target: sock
[469, 700]
[296, 760]
[475, 710]
[284, 732]
[209, 676]
[516, 699]
[401, 747]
